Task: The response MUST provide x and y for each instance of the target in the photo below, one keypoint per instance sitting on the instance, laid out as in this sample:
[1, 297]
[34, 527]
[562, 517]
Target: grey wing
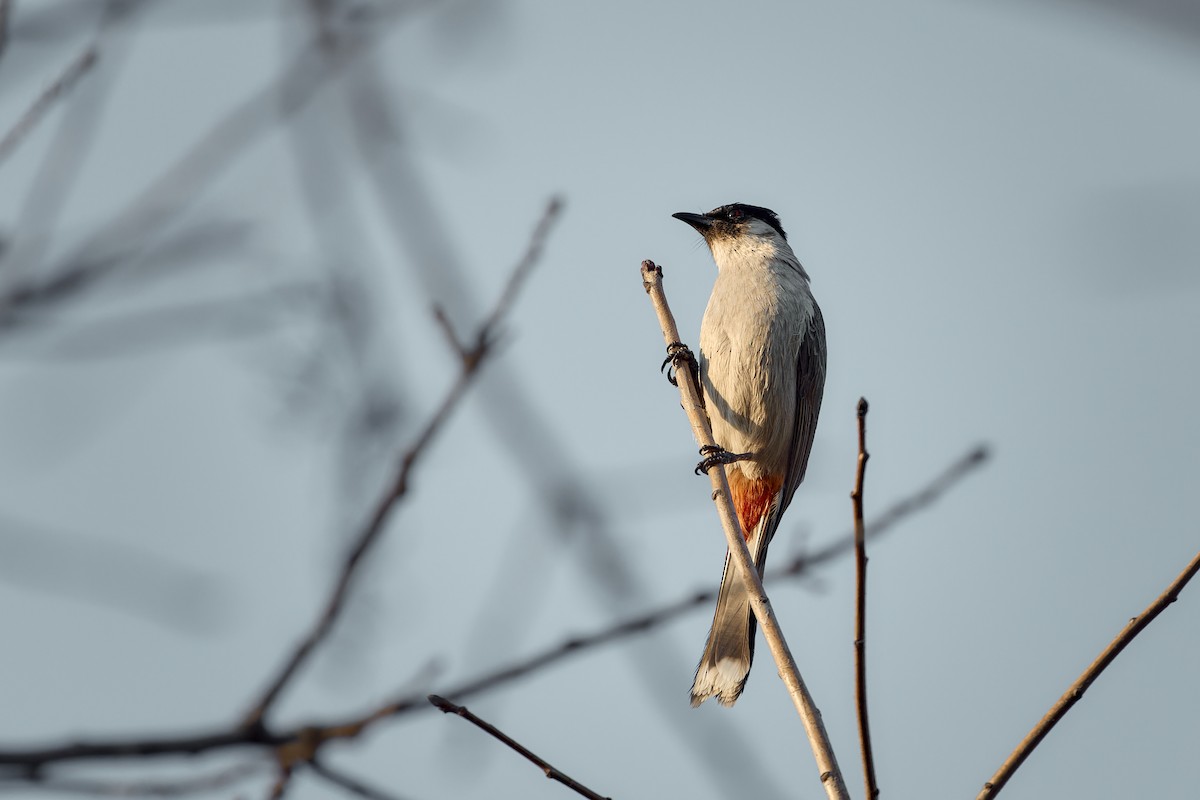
[810, 388]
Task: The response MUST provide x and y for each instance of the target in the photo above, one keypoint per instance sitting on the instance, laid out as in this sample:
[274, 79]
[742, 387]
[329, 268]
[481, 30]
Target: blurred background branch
[255, 734]
[221, 234]
[74, 71]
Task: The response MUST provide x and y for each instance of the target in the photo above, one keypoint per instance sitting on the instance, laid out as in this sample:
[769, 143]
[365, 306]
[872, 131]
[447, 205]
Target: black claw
[677, 352]
[714, 455]
[671, 372]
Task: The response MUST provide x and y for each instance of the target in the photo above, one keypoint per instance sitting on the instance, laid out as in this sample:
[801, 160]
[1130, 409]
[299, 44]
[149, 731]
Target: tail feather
[729, 652]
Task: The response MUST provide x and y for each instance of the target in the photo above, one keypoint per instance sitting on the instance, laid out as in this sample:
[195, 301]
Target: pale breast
[749, 345]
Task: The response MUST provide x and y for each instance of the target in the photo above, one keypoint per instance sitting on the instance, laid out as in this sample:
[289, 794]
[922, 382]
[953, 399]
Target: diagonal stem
[1076, 690]
[551, 772]
[472, 358]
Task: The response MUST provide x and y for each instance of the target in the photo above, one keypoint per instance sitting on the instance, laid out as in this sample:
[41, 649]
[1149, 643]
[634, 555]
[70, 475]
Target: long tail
[729, 652]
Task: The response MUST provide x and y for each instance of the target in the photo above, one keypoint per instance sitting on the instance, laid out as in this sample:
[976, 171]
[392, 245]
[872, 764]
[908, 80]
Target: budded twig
[860, 608]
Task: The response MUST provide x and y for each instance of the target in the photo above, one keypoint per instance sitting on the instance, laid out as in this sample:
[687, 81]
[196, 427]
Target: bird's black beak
[698, 221]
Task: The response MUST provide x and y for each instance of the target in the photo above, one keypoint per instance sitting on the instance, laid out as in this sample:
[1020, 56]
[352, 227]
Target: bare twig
[551, 772]
[1076, 690]
[647, 621]
[178, 187]
[443, 321]
[180, 788]
[976, 457]
[5, 8]
[74, 71]
[810, 716]
[349, 782]
[471, 360]
[860, 607]
[307, 739]
[248, 314]
[283, 782]
[28, 764]
[291, 746]
[104, 572]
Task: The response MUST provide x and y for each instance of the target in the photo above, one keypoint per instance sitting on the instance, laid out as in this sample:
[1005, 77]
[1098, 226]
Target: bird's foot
[714, 455]
[678, 353]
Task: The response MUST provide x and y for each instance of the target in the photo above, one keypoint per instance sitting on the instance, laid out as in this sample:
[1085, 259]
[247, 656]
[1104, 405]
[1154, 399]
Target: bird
[762, 374]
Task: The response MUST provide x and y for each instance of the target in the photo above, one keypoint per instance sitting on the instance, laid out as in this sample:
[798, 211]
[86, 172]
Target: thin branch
[103, 572]
[860, 607]
[283, 782]
[797, 568]
[297, 742]
[471, 359]
[194, 785]
[565, 499]
[443, 321]
[349, 782]
[29, 763]
[5, 8]
[810, 716]
[1076, 690]
[249, 314]
[179, 186]
[74, 71]
[551, 772]
[976, 457]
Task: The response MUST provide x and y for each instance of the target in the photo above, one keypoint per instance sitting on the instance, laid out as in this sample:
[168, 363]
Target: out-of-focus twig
[308, 738]
[5, 8]
[178, 187]
[301, 745]
[248, 314]
[349, 782]
[565, 496]
[471, 359]
[103, 572]
[74, 71]
[789, 672]
[220, 779]
[860, 607]
[1076, 690]
[552, 773]
[649, 620]
[974, 458]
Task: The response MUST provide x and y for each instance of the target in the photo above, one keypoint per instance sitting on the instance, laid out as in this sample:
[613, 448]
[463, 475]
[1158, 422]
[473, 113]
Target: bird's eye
[735, 214]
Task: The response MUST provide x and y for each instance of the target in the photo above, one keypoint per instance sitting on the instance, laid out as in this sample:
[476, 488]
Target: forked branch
[472, 355]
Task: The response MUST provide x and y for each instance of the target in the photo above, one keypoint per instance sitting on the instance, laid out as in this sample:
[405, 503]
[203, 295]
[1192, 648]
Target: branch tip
[547, 769]
[860, 606]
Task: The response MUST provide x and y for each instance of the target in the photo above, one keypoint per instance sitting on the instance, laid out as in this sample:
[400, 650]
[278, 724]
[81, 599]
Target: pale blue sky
[997, 203]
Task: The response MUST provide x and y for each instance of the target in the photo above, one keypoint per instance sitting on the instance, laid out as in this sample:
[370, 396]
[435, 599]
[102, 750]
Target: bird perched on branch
[762, 371]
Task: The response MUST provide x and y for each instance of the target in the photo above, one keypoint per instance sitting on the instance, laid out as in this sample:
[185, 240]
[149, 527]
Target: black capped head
[735, 219]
